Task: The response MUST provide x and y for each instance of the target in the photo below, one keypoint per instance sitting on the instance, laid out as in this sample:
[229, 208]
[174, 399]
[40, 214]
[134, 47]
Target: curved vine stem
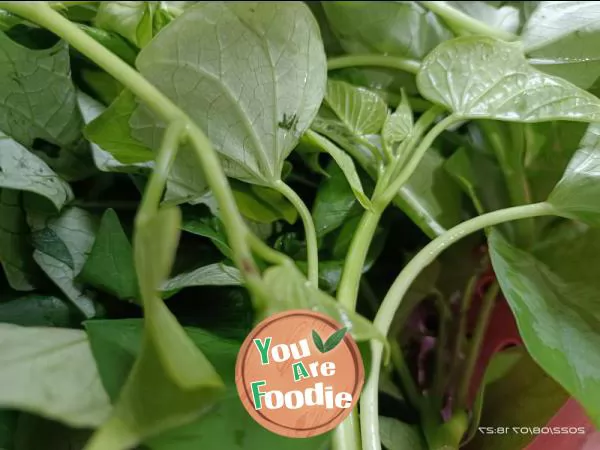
[237, 231]
[391, 302]
[312, 247]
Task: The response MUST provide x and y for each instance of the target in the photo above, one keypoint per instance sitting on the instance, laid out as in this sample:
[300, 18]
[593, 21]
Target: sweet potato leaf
[109, 266]
[559, 38]
[62, 244]
[38, 106]
[251, 74]
[115, 344]
[396, 28]
[557, 315]
[51, 372]
[132, 20]
[500, 84]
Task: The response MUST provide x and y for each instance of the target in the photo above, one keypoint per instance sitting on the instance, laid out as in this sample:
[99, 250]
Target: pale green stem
[487, 306]
[347, 434]
[267, 253]
[392, 300]
[391, 62]
[312, 249]
[355, 259]
[42, 14]
[460, 20]
[162, 167]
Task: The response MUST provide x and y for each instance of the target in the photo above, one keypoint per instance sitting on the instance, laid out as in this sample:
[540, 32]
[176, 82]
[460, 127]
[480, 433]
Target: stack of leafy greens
[173, 172]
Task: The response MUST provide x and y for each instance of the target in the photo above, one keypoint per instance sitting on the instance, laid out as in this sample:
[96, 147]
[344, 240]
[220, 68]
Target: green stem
[312, 248]
[42, 14]
[395, 295]
[113, 434]
[487, 306]
[162, 167]
[392, 62]
[266, 252]
[408, 384]
[440, 375]
[355, 259]
[347, 434]
[462, 21]
[407, 170]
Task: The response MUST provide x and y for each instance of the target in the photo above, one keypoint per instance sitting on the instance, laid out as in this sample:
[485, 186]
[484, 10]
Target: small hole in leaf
[48, 148]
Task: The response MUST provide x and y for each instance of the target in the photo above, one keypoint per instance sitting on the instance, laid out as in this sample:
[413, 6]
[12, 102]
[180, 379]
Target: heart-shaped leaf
[361, 110]
[576, 194]
[398, 125]
[561, 38]
[252, 75]
[482, 77]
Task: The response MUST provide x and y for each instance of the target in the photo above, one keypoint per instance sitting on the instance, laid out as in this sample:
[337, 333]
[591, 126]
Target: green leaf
[115, 344]
[207, 226]
[504, 17]
[398, 125]
[289, 289]
[346, 164]
[112, 132]
[103, 86]
[109, 266]
[15, 247]
[318, 341]
[112, 42]
[557, 315]
[576, 194]
[36, 311]
[500, 84]
[21, 170]
[262, 204]
[373, 27]
[361, 110]
[560, 39]
[38, 106]
[132, 20]
[397, 435]
[334, 203]
[527, 397]
[252, 75]
[217, 274]
[51, 372]
[62, 244]
[333, 340]
[183, 382]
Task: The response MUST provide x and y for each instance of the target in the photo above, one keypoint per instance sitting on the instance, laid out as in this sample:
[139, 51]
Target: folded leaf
[62, 244]
[109, 265]
[21, 170]
[290, 290]
[482, 77]
[505, 17]
[560, 39]
[252, 75]
[51, 372]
